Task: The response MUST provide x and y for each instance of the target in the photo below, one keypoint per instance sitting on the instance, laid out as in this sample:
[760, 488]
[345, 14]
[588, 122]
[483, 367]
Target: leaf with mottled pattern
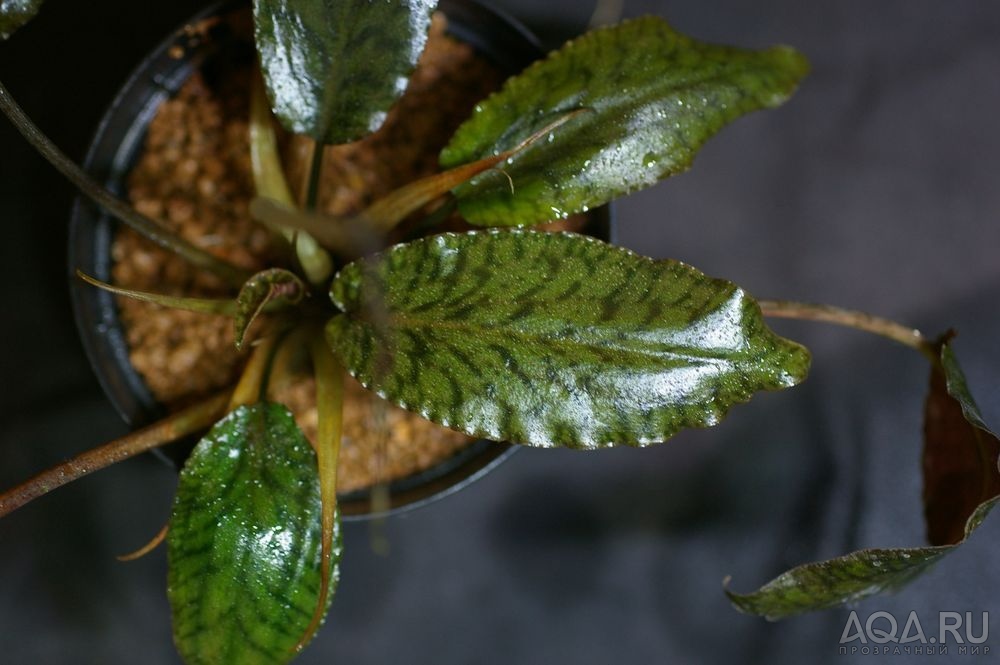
[962, 484]
[245, 541]
[15, 13]
[652, 97]
[553, 339]
[333, 68]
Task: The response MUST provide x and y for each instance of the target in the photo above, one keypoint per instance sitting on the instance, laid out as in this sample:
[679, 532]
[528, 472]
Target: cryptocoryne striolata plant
[541, 339]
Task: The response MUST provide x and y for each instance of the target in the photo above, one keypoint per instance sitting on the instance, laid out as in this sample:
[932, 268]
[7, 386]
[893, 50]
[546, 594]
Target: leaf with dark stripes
[271, 288]
[652, 97]
[15, 13]
[962, 485]
[245, 541]
[333, 69]
[553, 339]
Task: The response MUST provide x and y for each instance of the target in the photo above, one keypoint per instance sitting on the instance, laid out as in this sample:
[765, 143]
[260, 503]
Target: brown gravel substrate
[195, 175]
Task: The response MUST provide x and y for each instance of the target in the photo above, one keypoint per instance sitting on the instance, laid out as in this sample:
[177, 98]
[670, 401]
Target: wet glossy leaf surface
[244, 541]
[333, 69]
[962, 484]
[15, 13]
[553, 339]
[832, 583]
[652, 97]
[272, 287]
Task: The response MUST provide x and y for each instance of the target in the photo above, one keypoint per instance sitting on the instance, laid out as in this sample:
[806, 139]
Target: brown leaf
[960, 453]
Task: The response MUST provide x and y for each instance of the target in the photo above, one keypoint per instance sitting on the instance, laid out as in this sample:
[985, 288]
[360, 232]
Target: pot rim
[112, 152]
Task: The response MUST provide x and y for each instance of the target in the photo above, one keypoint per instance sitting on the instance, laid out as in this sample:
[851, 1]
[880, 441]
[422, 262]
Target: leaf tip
[795, 366]
[788, 67]
[738, 601]
[93, 281]
[14, 15]
[796, 63]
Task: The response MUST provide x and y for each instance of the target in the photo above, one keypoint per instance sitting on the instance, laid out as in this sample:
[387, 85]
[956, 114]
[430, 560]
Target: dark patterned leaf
[845, 579]
[269, 288]
[651, 98]
[553, 339]
[333, 68]
[15, 13]
[962, 484]
[245, 543]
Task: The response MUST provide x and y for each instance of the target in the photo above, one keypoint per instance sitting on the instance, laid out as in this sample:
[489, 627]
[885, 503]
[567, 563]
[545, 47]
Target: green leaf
[962, 484]
[15, 13]
[333, 69]
[845, 579]
[245, 541]
[653, 98]
[553, 339]
[268, 288]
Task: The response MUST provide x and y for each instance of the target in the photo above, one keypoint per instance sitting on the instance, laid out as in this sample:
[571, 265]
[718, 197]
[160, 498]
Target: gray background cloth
[876, 188]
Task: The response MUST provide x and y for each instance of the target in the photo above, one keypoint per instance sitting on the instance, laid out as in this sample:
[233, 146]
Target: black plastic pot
[114, 150]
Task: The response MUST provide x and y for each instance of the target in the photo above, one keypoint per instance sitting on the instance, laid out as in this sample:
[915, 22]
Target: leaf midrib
[678, 352]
